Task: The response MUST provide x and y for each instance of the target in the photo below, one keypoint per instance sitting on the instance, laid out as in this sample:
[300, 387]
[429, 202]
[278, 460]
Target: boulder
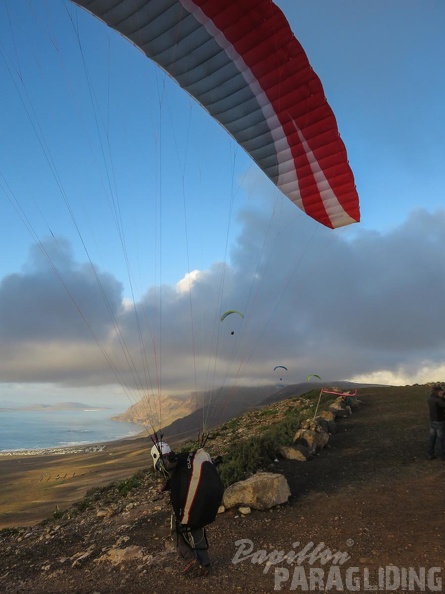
[339, 409]
[325, 425]
[261, 491]
[320, 424]
[328, 415]
[315, 440]
[353, 402]
[301, 453]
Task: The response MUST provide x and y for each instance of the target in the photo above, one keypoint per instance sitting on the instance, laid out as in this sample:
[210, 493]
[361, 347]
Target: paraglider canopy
[313, 375]
[280, 367]
[230, 312]
[240, 60]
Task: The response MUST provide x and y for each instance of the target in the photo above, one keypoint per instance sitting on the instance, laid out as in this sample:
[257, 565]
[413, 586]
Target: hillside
[370, 495]
[181, 415]
[168, 408]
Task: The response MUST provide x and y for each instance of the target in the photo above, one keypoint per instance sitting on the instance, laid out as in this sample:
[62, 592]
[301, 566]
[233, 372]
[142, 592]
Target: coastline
[84, 448]
[61, 429]
[38, 483]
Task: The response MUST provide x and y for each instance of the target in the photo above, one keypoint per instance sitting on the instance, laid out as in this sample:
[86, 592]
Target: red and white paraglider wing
[240, 60]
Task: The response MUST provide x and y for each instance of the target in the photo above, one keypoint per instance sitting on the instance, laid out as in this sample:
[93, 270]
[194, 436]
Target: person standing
[195, 494]
[436, 406]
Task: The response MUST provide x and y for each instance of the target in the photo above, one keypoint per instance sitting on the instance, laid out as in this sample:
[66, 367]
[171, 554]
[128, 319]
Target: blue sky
[105, 161]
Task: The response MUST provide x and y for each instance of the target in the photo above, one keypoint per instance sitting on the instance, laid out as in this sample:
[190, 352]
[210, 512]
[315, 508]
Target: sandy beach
[36, 483]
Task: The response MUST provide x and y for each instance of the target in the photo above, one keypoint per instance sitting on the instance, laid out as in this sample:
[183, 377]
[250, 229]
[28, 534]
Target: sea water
[34, 430]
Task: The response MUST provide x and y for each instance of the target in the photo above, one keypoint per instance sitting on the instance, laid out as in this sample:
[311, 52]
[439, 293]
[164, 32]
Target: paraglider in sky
[240, 60]
[280, 367]
[313, 375]
[228, 313]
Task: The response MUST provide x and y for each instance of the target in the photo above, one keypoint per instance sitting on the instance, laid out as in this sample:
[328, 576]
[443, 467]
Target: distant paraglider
[228, 313]
[280, 367]
[313, 375]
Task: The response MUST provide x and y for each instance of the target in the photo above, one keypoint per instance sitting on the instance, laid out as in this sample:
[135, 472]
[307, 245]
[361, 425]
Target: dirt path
[372, 494]
[371, 497]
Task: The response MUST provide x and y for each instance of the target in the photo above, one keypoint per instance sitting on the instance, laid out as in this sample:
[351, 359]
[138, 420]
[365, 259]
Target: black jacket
[436, 407]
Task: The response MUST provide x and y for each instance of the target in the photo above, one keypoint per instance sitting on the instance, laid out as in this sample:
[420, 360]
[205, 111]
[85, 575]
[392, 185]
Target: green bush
[247, 456]
[83, 505]
[57, 513]
[95, 493]
[9, 531]
[127, 485]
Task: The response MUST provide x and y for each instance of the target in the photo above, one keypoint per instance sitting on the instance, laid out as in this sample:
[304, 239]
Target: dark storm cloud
[340, 304]
[54, 298]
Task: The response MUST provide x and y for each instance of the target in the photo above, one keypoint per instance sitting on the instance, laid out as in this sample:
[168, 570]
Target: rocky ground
[370, 499]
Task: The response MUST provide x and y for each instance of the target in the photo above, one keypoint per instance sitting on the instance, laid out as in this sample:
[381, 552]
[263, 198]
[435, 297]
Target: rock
[245, 510]
[325, 425]
[262, 491]
[293, 453]
[320, 424]
[315, 440]
[328, 415]
[340, 410]
[79, 558]
[118, 556]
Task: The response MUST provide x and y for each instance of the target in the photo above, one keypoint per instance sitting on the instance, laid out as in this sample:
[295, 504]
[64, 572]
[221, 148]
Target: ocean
[34, 430]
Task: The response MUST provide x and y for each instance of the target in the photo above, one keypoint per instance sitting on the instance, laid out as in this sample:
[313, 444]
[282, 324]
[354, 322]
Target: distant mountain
[56, 406]
[186, 415]
[149, 409]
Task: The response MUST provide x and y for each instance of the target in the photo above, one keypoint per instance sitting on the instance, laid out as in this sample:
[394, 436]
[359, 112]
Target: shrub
[127, 485]
[247, 456]
[9, 531]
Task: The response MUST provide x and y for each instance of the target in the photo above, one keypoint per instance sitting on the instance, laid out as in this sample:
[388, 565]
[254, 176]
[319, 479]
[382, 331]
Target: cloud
[185, 284]
[350, 304]
[56, 299]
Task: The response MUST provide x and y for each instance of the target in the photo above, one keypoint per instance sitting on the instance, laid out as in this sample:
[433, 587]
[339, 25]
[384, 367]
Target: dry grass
[33, 487]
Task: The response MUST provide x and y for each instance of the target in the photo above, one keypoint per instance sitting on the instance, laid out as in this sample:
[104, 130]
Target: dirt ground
[33, 487]
[371, 497]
